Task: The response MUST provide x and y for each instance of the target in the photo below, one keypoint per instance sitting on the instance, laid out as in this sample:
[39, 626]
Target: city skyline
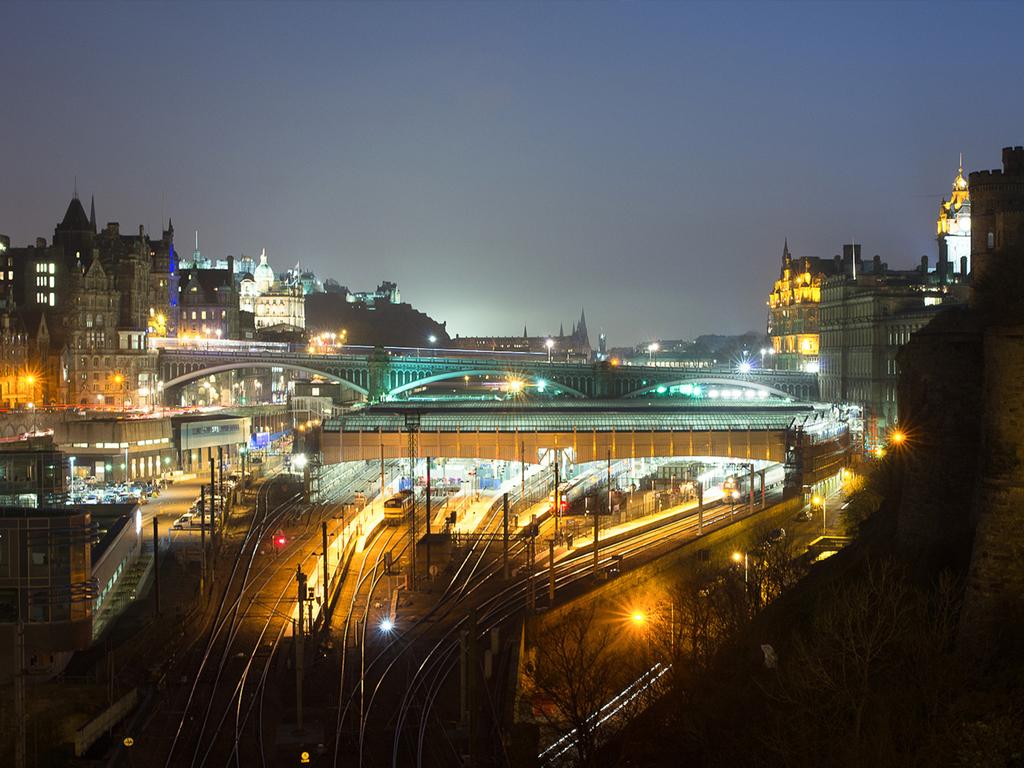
[547, 142]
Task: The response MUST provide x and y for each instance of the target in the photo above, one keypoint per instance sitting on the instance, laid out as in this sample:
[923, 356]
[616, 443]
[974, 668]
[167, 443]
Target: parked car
[185, 521]
[779, 534]
[804, 515]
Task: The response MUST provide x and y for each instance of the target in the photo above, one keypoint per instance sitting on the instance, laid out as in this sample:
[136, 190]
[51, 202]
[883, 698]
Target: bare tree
[579, 666]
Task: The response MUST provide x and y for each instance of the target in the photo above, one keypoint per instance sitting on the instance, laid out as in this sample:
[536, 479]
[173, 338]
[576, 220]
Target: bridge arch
[406, 387]
[651, 388]
[185, 378]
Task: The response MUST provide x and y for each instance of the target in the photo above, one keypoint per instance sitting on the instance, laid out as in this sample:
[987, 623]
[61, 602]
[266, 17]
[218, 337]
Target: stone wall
[940, 396]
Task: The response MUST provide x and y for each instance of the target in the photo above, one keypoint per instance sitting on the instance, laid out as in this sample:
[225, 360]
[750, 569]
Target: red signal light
[280, 540]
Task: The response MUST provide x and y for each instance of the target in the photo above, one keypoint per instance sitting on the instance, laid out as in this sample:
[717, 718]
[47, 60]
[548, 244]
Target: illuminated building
[574, 346]
[953, 232]
[793, 308]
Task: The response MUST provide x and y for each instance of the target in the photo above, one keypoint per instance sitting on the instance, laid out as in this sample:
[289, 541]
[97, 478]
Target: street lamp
[816, 500]
[550, 343]
[119, 380]
[764, 352]
[72, 489]
[745, 557]
[651, 349]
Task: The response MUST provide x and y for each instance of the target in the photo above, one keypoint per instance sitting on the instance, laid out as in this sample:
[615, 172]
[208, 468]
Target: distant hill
[396, 325]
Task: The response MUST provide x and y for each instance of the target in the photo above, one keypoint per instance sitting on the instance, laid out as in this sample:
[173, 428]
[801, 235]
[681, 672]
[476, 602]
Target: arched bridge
[382, 374]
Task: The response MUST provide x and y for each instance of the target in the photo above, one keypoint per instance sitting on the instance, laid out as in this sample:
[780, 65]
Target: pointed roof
[75, 219]
[92, 212]
[561, 329]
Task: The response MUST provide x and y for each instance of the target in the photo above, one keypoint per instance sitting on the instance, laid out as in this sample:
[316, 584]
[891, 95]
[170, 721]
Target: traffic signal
[280, 540]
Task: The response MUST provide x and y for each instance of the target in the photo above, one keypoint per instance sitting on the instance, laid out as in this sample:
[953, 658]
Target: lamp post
[550, 343]
[816, 500]
[71, 491]
[745, 557]
[651, 349]
[119, 380]
[32, 410]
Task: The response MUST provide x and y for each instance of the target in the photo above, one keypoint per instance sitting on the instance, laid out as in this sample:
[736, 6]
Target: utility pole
[751, 488]
[472, 676]
[382, 472]
[609, 503]
[700, 506]
[412, 425]
[531, 556]
[156, 562]
[504, 536]
[522, 472]
[327, 572]
[202, 534]
[463, 677]
[213, 502]
[764, 501]
[428, 516]
[557, 505]
[551, 571]
[300, 578]
[20, 714]
[220, 471]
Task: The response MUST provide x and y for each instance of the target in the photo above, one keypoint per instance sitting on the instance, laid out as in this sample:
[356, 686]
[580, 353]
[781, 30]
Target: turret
[997, 232]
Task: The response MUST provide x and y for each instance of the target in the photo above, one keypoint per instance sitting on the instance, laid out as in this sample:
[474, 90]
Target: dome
[263, 274]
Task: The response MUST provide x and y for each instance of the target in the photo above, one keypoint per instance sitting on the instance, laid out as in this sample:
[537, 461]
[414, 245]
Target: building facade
[953, 232]
[864, 323]
[794, 305]
[574, 346]
[282, 306]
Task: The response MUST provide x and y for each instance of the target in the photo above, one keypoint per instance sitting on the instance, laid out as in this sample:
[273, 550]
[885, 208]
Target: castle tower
[997, 235]
[953, 231]
[994, 595]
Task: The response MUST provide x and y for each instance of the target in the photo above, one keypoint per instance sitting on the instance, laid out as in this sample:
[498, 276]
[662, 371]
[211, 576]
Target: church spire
[524, 331]
[561, 330]
[92, 212]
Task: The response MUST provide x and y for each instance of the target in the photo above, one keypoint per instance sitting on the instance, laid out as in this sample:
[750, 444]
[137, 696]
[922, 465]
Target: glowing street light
[638, 617]
[651, 349]
[549, 343]
[896, 437]
[745, 559]
[386, 625]
[432, 339]
[745, 366]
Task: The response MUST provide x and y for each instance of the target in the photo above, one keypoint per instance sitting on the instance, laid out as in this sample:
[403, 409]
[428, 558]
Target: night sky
[508, 163]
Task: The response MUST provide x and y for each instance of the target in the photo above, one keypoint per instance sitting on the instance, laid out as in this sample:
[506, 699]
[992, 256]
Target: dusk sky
[509, 163]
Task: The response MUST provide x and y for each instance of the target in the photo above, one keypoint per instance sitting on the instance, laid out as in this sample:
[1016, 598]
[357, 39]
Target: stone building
[95, 291]
[864, 322]
[960, 388]
[793, 307]
[208, 303]
[574, 346]
[282, 307]
[953, 232]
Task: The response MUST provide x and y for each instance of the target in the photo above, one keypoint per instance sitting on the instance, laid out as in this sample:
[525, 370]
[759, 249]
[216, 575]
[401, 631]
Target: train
[396, 507]
[736, 486]
[596, 502]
